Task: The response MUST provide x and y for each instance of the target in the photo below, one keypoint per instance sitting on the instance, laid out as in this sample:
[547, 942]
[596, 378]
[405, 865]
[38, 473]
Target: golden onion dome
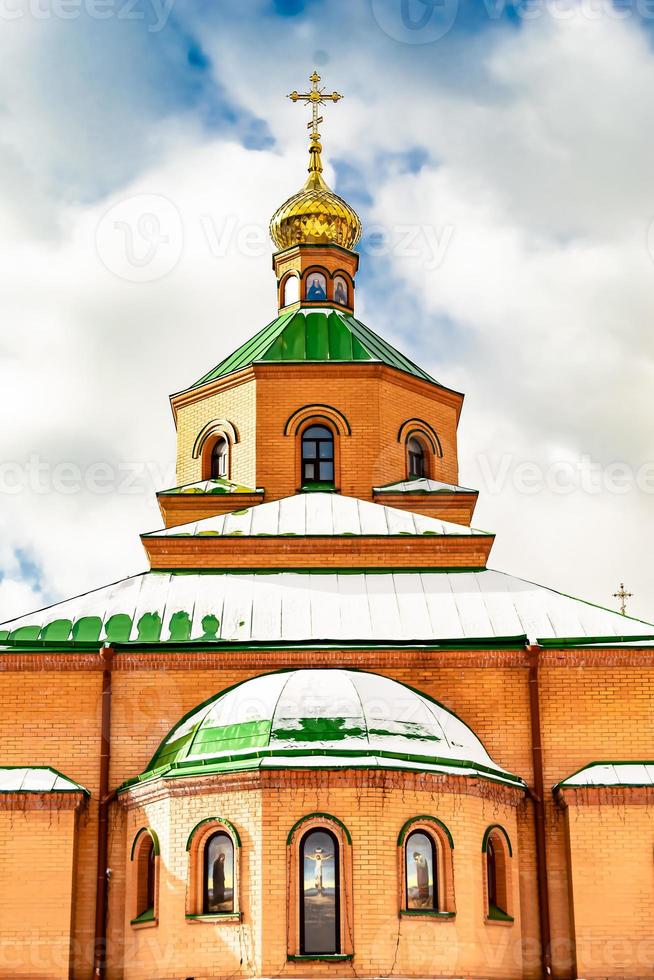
[315, 215]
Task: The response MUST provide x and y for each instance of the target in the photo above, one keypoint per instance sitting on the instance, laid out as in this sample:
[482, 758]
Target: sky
[500, 155]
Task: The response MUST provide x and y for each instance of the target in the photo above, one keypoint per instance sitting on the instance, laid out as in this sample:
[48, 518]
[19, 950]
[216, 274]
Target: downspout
[538, 799]
[100, 945]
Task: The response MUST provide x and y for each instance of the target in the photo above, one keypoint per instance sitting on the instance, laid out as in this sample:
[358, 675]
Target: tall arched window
[491, 876]
[145, 850]
[497, 850]
[149, 878]
[421, 872]
[291, 290]
[218, 875]
[220, 460]
[416, 458]
[320, 898]
[317, 455]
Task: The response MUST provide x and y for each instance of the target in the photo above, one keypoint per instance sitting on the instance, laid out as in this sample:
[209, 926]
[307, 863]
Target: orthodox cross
[315, 97]
[623, 595]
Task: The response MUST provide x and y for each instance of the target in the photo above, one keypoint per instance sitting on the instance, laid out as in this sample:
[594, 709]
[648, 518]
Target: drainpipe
[538, 799]
[99, 948]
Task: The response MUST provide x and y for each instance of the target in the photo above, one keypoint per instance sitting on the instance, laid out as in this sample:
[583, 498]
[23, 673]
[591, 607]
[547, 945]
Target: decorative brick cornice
[168, 656]
[569, 796]
[42, 801]
[183, 398]
[285, 780]
[320, 551]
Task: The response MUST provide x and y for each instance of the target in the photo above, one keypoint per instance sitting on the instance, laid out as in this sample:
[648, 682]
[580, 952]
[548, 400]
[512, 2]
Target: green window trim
[319, 488]
[496, 914]
[424, 818]
[213, 916]
[317, 816]
[223, 823]
[329, 957]
[155, 841]
[147, 916]
[489, 831]
[429, 913]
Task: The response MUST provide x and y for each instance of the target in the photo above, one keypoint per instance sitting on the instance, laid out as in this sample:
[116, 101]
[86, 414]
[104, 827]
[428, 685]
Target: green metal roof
[316, 336]
[324, 718]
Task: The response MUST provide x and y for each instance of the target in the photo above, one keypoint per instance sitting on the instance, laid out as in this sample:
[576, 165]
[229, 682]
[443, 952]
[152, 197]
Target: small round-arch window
[417, 458]
[317, 455]
[316, 287]
[340, 291]
[291, 290]
[219, 459]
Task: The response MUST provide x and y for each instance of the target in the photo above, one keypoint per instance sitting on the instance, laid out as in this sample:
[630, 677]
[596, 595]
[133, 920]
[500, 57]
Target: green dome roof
[317, 336]
[322, 719]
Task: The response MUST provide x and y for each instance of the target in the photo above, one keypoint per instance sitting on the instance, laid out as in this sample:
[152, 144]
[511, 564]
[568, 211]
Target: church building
[320, 737]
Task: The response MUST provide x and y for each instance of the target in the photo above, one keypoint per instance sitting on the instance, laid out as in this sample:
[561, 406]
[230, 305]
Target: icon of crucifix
[623, 595]
[320, 857]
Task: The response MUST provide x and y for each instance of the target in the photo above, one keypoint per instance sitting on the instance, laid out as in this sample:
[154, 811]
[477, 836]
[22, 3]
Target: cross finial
[623, 595]
[315, 97]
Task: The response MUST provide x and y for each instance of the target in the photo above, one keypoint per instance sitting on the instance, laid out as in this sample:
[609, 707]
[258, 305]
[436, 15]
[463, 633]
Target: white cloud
[542, 168]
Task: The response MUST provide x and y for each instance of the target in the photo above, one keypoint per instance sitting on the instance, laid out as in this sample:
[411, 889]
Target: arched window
[320, 915]
[426, 870]
[214, 872]
[145, 850]
[417, 458]
[340, 291]
[291, 290]
[220, 459]
[497, 852]
[491, 874]
[149, 878]
[421, 871]
[218, 875]
[316, 287]
[317, 455]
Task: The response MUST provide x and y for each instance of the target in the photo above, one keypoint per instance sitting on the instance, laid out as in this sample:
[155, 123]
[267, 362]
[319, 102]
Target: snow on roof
[376, 607]
[307, 514]
[605, 774]
[36, 779]
[421, 485]
[218, 486]
[319, 718]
